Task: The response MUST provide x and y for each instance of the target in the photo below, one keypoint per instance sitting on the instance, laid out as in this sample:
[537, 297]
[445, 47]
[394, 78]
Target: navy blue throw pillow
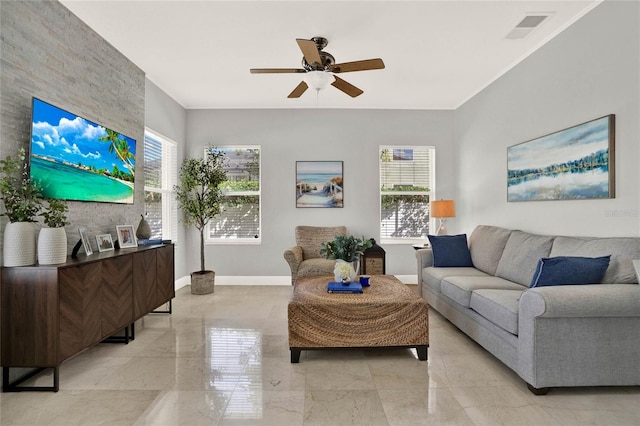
[569, 270]
[450, 251]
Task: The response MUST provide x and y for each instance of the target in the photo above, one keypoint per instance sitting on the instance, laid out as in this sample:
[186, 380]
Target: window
[160, 176]
[239, 221]
[407, 178]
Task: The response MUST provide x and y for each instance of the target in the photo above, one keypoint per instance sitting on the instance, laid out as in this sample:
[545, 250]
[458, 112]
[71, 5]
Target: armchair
[304, 258]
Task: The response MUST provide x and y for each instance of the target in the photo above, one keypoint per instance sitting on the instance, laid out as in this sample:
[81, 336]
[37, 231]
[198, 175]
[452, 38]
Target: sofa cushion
[433, 276]
[498, 306]
[450, 251]
[486, 244]
[622, 250]
[569, 270]
[459, 289]
[521, 255]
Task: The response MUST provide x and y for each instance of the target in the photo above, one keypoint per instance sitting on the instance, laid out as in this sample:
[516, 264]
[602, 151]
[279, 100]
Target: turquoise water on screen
[71, 183]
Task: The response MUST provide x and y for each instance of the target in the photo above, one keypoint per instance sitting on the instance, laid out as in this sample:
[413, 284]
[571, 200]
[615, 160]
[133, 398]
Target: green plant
[345, 247]
[198, 192]
[55, 214]
[21, 196]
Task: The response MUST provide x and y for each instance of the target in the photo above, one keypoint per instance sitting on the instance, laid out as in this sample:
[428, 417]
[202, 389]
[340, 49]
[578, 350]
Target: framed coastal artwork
[319, 184]
[572, 164]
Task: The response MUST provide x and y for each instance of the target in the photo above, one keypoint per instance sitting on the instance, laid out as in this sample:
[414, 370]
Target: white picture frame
[105, 243]
[86, 243]
[126, 236]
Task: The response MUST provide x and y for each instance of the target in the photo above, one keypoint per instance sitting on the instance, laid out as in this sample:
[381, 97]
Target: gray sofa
[556, 336]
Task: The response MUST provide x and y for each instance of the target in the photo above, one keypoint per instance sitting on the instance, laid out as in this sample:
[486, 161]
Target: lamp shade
[443, 208]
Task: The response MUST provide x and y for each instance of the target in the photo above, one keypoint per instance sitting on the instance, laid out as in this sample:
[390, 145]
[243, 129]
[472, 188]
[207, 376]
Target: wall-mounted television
[73, 158]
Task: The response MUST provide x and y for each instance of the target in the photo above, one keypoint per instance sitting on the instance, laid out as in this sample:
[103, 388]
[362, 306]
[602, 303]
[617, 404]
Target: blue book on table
[353, 287]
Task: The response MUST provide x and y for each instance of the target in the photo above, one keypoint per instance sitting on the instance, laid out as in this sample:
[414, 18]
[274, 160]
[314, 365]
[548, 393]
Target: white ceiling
[437, 54]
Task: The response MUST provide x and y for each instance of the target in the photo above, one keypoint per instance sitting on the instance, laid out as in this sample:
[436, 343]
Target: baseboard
[182, 282]
[408, 279]
[247, 280]
[268, 280]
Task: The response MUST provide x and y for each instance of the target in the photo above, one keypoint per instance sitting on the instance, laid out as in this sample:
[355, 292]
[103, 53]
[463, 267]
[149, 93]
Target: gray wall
[286, 136]
[588, 71]
[167, 117]
[49, 53]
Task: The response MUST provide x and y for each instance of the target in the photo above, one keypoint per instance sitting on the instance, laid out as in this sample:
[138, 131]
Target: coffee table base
[420, 349]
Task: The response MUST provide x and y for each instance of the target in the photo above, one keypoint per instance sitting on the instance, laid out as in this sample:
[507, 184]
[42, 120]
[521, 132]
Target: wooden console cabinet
[50, 313]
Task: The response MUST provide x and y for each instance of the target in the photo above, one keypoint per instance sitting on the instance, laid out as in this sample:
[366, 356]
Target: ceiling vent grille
[529, 23]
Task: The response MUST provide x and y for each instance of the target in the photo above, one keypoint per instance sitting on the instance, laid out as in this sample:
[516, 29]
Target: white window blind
[160, 176]
[239, 221]
[407, 178]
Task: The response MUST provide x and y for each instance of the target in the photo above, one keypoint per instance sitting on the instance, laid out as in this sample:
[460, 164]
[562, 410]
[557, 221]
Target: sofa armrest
[293, 256]
[582, 301]
[579, 335]
[425, 259]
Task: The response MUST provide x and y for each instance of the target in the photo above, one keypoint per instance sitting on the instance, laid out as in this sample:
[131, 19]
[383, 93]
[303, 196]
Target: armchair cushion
[315, 267]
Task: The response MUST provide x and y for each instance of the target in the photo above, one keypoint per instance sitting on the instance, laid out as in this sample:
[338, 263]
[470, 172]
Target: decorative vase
[52, 246]
[144, 230]
[19, 248]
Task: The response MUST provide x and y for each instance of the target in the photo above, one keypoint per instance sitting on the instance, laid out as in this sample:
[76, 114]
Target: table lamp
[442, 209]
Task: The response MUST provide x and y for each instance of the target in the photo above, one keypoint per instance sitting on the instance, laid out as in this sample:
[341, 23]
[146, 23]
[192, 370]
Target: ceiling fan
[320, 67]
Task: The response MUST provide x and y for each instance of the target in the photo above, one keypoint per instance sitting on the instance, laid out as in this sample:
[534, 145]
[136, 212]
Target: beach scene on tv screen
[75, 159]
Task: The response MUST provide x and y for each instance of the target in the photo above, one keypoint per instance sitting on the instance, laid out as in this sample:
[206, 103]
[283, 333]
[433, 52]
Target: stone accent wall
[48, 52]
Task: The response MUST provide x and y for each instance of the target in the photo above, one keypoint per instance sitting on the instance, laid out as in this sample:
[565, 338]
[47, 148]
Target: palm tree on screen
[121, 148]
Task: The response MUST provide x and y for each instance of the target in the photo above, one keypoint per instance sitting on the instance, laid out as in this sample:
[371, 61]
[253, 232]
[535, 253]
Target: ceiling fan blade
[347, 88]
[299, 90]
[367, 64]
[310, 51]
[276, 70]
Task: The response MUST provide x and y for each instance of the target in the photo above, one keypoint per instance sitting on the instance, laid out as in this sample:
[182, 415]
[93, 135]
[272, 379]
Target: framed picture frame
[105, 243]
[572, 164]
[126, 236]
[319, 184]
[84, 236]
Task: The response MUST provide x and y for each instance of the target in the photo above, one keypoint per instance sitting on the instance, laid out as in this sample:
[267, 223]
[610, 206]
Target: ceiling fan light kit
[320, 68]
[319, 80]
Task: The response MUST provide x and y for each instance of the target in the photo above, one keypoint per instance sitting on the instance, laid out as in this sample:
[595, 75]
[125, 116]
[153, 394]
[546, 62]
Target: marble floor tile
[223, 359]
[425, 406]
[343, 407]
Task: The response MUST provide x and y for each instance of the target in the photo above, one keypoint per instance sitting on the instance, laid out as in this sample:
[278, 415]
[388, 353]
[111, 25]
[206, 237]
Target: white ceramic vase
[52, 246]
[19, 245]
[345, 271]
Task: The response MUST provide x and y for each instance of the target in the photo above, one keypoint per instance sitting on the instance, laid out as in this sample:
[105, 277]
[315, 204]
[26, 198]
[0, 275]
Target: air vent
[530, 22]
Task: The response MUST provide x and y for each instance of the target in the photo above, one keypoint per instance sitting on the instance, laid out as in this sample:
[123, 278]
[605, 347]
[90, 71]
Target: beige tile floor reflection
[222, 359]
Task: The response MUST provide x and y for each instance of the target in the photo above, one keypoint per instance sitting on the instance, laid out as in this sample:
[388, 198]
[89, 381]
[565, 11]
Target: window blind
[406, 182]
[160, 176]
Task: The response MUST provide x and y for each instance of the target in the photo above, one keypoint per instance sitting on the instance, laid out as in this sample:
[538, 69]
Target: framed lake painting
[319, 184]
[572, 164]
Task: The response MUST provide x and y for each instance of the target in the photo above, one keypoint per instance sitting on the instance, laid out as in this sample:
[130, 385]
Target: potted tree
[346, 249]
[22, 204]
[200, 199]
[52, 239]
